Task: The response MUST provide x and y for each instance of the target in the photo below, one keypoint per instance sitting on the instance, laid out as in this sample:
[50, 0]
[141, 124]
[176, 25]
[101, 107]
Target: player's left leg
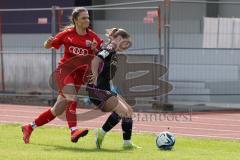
[72, 122]
[71, 108]
[127, 125]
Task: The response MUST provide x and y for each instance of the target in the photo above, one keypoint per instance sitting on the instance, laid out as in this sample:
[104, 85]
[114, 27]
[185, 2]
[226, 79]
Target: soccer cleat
[27, 131]
[99, 137]
[131, 146]
[75, 135]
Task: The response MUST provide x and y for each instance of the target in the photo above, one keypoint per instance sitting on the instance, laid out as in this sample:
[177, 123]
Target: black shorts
[98, 96]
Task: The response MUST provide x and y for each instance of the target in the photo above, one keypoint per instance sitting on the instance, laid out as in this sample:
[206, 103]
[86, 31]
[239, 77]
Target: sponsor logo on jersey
[78, 51]
[88, 43]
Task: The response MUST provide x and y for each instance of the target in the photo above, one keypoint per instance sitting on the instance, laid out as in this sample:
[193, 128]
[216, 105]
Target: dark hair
[75, 14]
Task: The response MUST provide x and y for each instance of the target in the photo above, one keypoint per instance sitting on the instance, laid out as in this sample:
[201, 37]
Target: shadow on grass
[79, 149]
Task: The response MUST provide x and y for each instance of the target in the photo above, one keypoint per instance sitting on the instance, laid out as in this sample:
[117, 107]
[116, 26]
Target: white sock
[73, 129]
[103, 132]
[127, 142]
[33, 125]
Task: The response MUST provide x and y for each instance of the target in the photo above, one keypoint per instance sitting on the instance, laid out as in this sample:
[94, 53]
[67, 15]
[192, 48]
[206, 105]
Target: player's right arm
[95, 67]
[99, 59]
[55, 42]
[48, 43]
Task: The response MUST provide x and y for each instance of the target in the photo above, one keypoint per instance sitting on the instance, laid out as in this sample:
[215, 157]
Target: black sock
[111, 122]
[127, 124]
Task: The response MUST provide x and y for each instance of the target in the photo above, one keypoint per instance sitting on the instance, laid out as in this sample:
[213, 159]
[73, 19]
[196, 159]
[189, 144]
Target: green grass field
[50, 143]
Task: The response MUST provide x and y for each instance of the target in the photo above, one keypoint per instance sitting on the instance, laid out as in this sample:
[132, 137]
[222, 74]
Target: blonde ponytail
[110, 32]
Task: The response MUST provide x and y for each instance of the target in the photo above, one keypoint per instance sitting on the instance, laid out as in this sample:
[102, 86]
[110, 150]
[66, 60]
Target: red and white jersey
[75, 44]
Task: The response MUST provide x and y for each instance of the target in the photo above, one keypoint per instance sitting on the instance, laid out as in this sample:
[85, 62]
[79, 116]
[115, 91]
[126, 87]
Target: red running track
[223, 125]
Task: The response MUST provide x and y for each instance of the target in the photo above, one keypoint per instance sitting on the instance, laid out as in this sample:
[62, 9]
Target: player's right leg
[44, 118]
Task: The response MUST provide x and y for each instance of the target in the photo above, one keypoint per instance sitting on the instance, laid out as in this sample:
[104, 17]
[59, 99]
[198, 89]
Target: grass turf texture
[48, 143]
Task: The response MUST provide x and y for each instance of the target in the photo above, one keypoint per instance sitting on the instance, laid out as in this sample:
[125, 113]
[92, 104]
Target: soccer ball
[165, 141]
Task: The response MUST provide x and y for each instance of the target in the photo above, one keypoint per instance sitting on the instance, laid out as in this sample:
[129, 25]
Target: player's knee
[53, 110]
[130, 113]
[57, 111]
[70, 97]
[59, 106]
[124, 112]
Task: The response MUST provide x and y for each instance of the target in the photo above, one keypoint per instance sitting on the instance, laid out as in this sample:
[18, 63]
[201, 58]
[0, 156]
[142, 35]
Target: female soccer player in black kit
[99, 88]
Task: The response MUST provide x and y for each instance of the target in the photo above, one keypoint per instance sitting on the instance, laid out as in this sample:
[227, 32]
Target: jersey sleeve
[58, 40]
[103, 54]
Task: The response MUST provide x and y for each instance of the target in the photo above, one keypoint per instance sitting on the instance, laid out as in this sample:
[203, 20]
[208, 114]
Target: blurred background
[198, 40]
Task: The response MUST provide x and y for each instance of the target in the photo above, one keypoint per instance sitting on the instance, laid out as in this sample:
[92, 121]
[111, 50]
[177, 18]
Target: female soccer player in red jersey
[78, 40]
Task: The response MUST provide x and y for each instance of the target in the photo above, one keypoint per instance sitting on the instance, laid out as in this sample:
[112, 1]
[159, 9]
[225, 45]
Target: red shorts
[75, 77]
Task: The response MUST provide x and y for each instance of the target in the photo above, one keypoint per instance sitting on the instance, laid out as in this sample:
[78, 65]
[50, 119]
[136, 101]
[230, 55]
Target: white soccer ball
[165, 141]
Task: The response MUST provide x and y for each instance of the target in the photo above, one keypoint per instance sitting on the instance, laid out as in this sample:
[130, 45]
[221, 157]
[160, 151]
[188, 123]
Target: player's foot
[27, 131]
[75, 135]
[131, 146]
[99, 137]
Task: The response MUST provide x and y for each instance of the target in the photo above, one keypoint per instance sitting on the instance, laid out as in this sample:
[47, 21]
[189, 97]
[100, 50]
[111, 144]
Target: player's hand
[94, 45]
[48, 42]
[93, 79]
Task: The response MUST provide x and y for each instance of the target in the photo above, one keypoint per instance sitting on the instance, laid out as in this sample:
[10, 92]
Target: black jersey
[100, 93]
[109, 68]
